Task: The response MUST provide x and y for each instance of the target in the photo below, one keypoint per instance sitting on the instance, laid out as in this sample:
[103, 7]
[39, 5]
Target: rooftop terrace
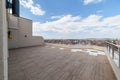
[52, 62]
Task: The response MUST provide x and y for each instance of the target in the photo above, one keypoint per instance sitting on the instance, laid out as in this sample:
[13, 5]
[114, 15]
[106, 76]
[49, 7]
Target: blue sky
[73, 19]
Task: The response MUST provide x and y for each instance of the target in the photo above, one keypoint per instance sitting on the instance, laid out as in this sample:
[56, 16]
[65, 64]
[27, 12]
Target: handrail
[113, 50]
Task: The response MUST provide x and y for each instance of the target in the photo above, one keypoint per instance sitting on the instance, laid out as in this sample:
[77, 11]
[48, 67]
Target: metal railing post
[109, 48]
[119, 55]
[112, 52]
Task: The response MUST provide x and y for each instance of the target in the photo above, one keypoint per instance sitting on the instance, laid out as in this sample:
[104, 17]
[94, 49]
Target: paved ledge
[78, 46]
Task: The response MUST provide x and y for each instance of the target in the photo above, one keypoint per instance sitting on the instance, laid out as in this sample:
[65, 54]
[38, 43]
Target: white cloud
[86, 2]
[65, 24]
[71, 24]
[34, 8]
[99, 11]
[112, 21]
[56, 17]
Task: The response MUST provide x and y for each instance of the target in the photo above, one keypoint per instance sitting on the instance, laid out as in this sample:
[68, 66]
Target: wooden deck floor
[46, 63]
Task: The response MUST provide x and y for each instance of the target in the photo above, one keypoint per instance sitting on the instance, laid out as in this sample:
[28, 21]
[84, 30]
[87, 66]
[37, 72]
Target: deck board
[46, 63]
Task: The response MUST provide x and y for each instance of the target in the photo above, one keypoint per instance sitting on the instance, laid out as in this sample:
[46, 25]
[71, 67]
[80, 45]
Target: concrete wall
[13, 43]
[22, 33]
[13, 22]
[3, 42]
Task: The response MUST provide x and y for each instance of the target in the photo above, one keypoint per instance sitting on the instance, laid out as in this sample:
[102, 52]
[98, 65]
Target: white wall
[3, 42]
[13, 21]
[13, 43]
[21, 28]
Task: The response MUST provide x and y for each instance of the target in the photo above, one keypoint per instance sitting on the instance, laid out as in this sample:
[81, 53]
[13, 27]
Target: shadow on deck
[54, 63]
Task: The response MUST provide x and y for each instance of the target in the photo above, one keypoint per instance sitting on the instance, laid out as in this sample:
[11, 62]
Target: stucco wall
[22, 34]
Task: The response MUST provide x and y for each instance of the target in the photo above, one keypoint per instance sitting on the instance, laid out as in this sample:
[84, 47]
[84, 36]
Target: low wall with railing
[113, 54]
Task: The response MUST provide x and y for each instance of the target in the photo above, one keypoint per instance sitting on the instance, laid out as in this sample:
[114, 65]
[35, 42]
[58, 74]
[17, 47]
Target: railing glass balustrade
[114, 52]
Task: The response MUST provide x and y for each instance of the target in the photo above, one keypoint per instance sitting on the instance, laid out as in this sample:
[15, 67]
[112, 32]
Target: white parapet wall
[21, 33]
